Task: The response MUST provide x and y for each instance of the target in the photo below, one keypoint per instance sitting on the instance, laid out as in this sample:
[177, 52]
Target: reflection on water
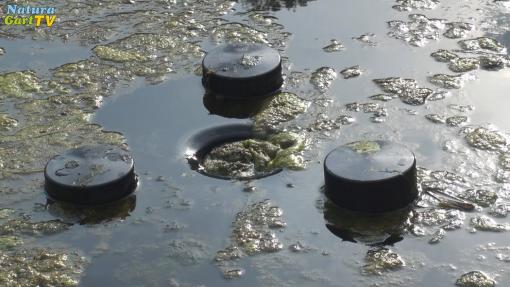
[92, 214]
[275, 5]
[371, 229]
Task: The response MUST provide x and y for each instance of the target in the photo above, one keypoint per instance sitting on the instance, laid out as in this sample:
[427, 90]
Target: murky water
[416, 72]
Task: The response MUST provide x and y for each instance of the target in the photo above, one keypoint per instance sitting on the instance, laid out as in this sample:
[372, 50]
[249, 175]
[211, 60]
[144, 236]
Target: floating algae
[456, 121]
[252, 228]
[407, 90]
[149, 55]
[365, 147]
[416, 97]
[253, 157]
[282, 108]
[461, 108]
[484, 138]
[485, 223]
[323, 77]
[475, 279]
[334, 46]
[351, 72]
[493, 62]
[462, 65]
[379, 114]
[417, 31]
[447, 81]
[456, 30]
[237, 33]
[482, 197]
[435, 118]
[232, 273]
[23, 226]
[446, 219]
[383, 97]
[396, 85]
[9, 242]
[504, 161]
[115, 55]
[381, 260]
[482, 43]
[408, 5]
[252, 233]
[18, 85]
[40, 267]
[7, 123]
[499, 210]
[367, 39]
[444, 55]
[323, 123]
[437, 236]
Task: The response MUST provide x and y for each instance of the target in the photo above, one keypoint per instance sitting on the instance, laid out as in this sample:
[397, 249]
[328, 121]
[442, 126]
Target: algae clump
[115, 55]
[282, 108]
[6, 122]
[18, 84]
[255, 157]
[365, 146]
[40, 267]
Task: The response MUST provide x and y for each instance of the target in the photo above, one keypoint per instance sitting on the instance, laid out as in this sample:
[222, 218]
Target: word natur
[27, 15]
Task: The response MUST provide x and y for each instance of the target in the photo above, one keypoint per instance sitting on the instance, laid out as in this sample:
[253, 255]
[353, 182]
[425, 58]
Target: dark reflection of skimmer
[275, 5]
[86, 214]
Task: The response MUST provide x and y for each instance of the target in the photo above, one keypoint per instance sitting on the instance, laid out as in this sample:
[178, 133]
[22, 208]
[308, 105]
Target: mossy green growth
[6, 212]
[6, 122]
[282, 108]
[253, 157]
[116, 55]
[22, 226]
[40, 267]
[9, 242]
[18, 84]
[365, 146]
[288, 156]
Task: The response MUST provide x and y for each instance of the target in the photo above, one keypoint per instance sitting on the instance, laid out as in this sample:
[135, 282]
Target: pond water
[128, 73]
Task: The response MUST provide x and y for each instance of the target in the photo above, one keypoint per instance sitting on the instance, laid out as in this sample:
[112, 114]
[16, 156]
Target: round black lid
[90, 175]
[371, 176]
[242, 71]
